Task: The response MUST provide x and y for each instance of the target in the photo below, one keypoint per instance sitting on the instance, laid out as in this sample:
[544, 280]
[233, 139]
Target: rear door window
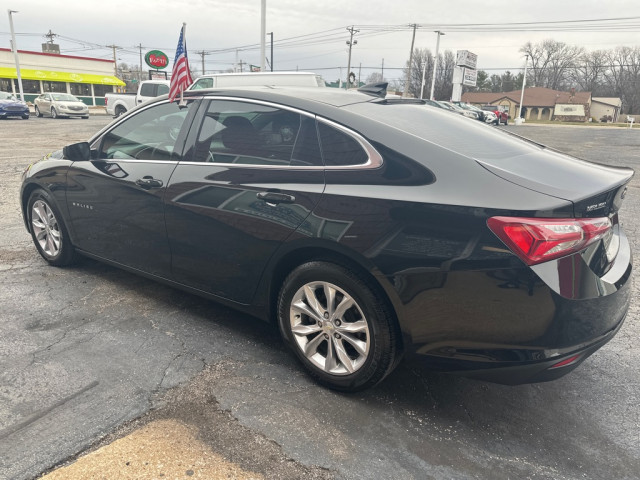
[237, 132]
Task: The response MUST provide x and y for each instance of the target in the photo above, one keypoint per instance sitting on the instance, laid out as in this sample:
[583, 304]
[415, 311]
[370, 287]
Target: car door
[44, 103]
[252, 177]
[116, 200]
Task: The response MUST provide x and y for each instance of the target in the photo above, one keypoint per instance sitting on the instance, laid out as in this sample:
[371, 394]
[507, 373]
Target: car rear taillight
[537, 240]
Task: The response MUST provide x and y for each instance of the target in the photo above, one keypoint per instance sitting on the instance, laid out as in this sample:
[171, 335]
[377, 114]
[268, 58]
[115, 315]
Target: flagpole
[182, 103]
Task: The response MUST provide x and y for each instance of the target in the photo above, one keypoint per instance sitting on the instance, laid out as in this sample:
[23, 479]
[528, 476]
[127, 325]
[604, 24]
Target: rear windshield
[441, 127]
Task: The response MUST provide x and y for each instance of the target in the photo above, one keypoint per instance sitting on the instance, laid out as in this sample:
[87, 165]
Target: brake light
[537, 240]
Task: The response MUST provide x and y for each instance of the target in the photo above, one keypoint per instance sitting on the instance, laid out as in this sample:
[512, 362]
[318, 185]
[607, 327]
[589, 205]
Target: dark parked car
[364, 227]
[10, 106]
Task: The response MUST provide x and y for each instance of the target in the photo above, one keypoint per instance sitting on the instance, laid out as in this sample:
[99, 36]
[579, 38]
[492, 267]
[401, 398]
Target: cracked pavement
[91, 354]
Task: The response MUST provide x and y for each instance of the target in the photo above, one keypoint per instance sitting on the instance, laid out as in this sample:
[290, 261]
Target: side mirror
[77, 152]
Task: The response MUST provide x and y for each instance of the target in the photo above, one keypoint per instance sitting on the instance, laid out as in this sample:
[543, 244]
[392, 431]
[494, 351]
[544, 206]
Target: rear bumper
[516, 373]
[515, 326]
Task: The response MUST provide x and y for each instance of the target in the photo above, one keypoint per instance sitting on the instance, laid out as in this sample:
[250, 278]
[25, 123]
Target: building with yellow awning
[89, 79]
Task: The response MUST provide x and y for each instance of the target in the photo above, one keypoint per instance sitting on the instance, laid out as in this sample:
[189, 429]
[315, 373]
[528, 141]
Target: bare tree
[422, 58]
[623, 76]
[375, 77]
[551, 63]
[444, 76]
[588, 74]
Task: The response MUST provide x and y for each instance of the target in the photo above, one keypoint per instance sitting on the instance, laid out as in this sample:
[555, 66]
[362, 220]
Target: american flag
[180, 76]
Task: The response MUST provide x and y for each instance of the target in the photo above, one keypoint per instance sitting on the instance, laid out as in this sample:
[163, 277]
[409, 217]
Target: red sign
[156, 59]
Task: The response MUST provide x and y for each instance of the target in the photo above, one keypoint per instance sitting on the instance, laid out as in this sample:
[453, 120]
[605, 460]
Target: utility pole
[140, 75]
[351, 42]
[202, 53]
[50, 36]
[383, 69]
[405, 93]
[271, 62]
[435, 64]
[524, 81]
[241, 63]
[115, 59]
[14, 47]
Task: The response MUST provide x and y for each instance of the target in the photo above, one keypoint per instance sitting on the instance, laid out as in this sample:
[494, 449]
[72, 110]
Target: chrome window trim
[374, 159]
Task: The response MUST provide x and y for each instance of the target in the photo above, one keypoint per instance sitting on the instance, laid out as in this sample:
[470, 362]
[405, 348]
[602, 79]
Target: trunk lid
[595, 190]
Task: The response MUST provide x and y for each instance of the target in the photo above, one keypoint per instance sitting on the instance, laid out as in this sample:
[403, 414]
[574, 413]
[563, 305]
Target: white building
[86, 78]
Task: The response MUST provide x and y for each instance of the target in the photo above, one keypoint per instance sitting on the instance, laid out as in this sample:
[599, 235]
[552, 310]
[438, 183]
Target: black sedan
[369, 229]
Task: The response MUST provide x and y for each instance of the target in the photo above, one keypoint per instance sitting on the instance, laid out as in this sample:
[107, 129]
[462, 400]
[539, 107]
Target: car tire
[54, 113]
[37, 111]
[120, 111]
[86, 117]
[338, 326]
[48, 231]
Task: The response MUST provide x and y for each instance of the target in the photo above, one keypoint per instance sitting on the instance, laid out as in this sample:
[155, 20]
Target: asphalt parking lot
[90, 353]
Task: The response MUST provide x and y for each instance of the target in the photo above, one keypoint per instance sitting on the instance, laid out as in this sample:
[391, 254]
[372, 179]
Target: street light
[524, 81]
[14, 47]
[435, 64]
[271, 61]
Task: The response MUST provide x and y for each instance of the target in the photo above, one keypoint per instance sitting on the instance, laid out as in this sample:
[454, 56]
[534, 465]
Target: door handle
[148, 182]
[273, 198]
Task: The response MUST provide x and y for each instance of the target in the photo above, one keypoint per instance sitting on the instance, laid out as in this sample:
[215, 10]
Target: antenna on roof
[375, 89]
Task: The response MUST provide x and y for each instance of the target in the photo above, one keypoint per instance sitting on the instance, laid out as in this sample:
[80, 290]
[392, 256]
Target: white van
[282, 79]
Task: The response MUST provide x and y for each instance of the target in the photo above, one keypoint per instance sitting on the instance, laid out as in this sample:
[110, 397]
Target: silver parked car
[459, 110]
[60, 105]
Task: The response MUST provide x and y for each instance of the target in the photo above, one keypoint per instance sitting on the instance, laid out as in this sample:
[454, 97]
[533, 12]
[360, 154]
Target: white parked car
[60, 105]
[255, 79]
[460, 110]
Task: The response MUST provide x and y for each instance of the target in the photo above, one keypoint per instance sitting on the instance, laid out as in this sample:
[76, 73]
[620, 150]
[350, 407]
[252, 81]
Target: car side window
[147, 90]
[339, 148]
[203, 83]
[246, 133]
[150, 134]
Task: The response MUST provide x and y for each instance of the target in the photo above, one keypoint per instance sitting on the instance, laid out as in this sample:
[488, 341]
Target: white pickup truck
[119, 103]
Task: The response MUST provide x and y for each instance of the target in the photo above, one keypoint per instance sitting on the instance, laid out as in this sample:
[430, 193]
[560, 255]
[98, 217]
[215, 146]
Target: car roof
[262, 74]
[293, 96]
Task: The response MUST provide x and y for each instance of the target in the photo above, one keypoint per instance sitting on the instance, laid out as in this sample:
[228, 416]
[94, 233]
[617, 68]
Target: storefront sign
[466, 59]
[470, 77]
[569, 110]
[156, 59]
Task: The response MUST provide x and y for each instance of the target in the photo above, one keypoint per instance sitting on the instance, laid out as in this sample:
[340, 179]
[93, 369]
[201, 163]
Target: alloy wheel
[329, 328]
[46, 229]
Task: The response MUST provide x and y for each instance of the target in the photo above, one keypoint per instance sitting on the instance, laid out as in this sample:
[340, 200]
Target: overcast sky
[87, 28]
